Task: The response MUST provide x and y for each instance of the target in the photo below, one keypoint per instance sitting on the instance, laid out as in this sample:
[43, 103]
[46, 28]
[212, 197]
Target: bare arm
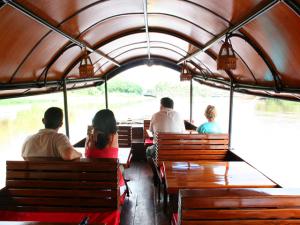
[65, 149]
[70, 154]
[115, 141]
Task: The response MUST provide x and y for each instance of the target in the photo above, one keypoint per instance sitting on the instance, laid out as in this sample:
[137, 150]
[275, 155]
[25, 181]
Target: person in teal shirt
[210, 127]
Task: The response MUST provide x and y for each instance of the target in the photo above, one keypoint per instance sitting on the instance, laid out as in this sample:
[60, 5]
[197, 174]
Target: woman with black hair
[102, 140]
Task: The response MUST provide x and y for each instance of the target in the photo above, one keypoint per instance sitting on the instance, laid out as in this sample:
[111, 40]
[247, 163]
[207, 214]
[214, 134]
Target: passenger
[102, 140]
[166, 120]
[210, 127]
[48, 142]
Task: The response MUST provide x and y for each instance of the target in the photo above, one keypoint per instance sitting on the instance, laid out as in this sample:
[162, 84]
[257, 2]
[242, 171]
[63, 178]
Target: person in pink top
[102, 139]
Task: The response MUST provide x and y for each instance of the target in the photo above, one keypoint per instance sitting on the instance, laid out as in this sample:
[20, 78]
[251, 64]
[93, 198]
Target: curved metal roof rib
[41, 42]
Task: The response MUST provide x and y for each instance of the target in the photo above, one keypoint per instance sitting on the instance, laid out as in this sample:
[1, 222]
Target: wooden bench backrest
[235, 206]
[188, 147]
[125, 136]
[146, 127]
[55, 185]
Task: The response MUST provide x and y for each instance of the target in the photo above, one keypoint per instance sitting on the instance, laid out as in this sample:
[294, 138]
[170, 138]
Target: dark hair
[167, 102]
[53, 118]
[105, 124]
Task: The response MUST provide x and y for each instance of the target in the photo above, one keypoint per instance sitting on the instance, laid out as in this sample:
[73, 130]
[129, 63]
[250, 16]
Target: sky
[155, 74]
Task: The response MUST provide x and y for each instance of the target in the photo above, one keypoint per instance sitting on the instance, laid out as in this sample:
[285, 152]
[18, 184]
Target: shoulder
[60, 135]
[204, 124]
[202, 128]
[176, 113]
[155, 116]
[61, 138]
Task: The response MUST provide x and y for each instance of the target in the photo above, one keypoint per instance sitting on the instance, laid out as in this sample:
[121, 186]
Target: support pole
[191, 100]
[230, 113]
[105, 86]
[66, 108]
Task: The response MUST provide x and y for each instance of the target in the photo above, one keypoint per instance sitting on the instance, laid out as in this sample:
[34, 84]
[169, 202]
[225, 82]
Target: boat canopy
[42, 43]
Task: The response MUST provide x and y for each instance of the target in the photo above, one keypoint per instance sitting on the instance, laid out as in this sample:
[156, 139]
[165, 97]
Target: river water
[268, 141]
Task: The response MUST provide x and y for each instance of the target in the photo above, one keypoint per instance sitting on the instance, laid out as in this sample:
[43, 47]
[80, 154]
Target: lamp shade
[226, 59]
[86, 68]
[185, 74]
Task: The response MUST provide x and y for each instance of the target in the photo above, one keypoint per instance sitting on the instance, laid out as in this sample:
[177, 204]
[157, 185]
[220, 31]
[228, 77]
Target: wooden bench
[53, 185]
[124, 136]
[148, 140]
[262, 206]
[189, 147]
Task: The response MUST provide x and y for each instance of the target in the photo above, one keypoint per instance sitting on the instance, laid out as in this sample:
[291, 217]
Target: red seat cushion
[108, 218]
[148, 141]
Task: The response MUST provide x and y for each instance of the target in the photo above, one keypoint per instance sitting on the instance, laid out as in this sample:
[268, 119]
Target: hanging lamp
[185, 74]
[86, 68]
[226, 59]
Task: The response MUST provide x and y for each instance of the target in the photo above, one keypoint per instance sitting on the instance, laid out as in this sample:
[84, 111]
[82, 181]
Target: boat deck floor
[142, 207]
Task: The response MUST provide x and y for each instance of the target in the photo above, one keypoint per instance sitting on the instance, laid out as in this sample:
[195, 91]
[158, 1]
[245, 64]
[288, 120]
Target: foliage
[277, 105]
[123, 86]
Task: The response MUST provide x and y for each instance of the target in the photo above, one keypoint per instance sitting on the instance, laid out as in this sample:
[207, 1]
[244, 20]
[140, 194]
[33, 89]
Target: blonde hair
[210, 112]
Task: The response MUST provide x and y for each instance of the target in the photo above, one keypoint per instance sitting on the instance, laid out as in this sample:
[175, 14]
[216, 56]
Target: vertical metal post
[105, 85]
[230, 113]
[66, 108]
[191, 100]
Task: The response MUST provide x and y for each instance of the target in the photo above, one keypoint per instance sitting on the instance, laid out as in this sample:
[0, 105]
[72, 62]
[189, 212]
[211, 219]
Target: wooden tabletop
[210, 174]
[124, 154]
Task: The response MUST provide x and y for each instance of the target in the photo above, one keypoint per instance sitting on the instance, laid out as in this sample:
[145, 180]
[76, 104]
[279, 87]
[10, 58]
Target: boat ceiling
[42, 42]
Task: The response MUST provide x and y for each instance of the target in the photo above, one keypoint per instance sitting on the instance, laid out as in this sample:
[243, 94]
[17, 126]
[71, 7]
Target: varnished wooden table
[124, 156]
[210, 174]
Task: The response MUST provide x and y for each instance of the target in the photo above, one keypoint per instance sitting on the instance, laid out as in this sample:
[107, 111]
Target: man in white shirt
[166, 120]
[48, 142]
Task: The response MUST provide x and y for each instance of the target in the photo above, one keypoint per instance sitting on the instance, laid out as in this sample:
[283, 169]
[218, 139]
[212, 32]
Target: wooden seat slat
[44, 209]
[239, 206]
[73, 202]
[241, 202]
[60, 176]
[230, 193]
[61, 184]
[190, 141]
[62, 193]
[193, 136]
[37, 163]
[240, 214]
[191, 157]
[124, 136]
[193, 147]
[194, 152]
